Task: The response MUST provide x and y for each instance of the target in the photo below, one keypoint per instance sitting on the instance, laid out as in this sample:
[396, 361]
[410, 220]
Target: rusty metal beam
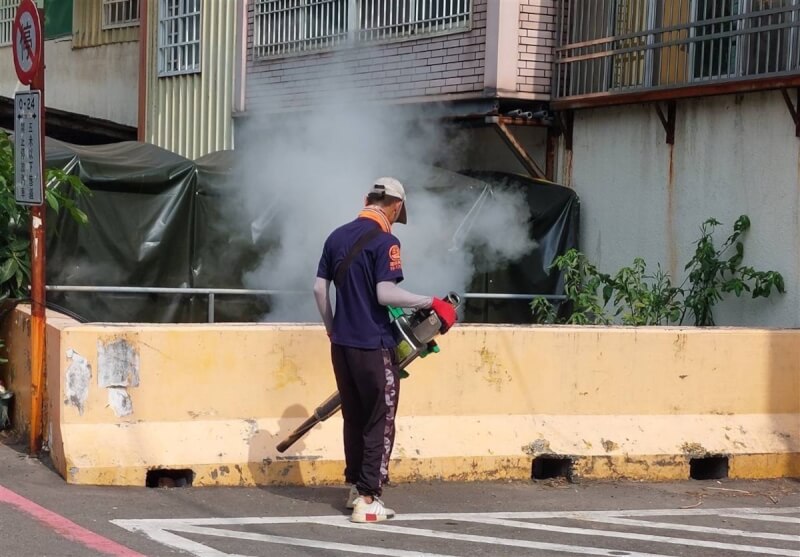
[793, 109]
[566, 119]
[519, 151]
[668, 121]
[653, 95]
[550, 153]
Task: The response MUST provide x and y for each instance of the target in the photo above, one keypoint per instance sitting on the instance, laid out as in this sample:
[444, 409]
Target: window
[178, 37]
[8, 9]
[120, 13]
[633, 67]
[410, 18]
[747, 37]
[298, 26]
[284, 26]
[714, 48]
[772, 45]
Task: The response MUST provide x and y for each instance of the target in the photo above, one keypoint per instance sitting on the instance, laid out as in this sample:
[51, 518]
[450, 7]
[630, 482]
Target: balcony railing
[618, 48]
[283, 27]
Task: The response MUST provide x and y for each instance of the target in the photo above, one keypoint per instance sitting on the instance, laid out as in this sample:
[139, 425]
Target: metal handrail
[211, 293]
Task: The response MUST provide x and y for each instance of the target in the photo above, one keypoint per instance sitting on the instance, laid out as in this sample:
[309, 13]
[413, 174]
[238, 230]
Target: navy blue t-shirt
[359, 321]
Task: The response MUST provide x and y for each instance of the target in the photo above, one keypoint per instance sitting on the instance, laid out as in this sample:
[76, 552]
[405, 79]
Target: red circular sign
[27, 40]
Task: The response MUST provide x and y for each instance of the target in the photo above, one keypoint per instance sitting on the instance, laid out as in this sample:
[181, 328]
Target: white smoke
[301, 179]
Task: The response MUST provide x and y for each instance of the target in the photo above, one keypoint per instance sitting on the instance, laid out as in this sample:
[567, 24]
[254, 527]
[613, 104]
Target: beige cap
[393, 188]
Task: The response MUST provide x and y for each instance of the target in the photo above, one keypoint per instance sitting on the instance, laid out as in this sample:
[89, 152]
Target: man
[362, 259]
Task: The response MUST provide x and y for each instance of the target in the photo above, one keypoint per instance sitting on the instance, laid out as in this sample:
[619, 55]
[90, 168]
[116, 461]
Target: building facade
[677, 111]
[92, 59]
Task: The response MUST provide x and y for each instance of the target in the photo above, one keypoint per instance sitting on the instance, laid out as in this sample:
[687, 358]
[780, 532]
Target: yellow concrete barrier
[619, 402]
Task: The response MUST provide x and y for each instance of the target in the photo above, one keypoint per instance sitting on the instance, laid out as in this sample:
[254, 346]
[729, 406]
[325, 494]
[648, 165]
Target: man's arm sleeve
[322, 295]
[389, 294]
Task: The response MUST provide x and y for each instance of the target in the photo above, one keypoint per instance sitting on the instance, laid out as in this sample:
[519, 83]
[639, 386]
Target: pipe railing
[212, 293]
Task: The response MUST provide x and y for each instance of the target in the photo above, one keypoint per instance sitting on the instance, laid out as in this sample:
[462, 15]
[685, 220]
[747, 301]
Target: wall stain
[537, 447]
[609, 445]
[671, 240]
[78, 378]
[492, 372]
[693, 449]
[287, 372]
[117, 363]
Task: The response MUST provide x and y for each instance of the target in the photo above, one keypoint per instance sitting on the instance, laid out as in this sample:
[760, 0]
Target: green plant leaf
[7, 269]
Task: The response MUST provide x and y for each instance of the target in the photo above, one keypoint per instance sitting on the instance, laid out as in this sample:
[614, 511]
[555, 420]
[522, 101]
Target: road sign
[28, 183]
[27, 41]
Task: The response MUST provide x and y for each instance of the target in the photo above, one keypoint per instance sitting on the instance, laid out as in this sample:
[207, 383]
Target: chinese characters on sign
[28, 188]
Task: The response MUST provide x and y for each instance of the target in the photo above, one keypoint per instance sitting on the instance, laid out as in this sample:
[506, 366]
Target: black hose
[54, 307]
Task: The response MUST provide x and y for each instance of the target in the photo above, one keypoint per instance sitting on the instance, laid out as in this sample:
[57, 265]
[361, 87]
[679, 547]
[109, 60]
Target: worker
[362, 259]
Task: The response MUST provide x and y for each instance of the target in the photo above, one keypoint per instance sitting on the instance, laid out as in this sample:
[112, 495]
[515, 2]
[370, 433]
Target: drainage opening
[708, 468]
[162, 477]
[546, 467]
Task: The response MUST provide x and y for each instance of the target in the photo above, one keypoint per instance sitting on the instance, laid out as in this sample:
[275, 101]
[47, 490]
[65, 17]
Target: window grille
[622, 46]
[379, 20]
[297, 26]
[8, 9]
[178, 37]
[120, 13]
[286, 26]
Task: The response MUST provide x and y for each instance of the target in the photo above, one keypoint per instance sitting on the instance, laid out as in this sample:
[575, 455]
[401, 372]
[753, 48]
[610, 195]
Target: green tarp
[159, 220]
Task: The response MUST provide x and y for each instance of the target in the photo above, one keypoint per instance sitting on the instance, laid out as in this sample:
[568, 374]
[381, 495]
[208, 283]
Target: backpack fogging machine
[415, 333]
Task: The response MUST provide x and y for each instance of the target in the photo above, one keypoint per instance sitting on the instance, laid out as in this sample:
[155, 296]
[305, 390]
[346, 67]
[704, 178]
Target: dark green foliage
[635, 297]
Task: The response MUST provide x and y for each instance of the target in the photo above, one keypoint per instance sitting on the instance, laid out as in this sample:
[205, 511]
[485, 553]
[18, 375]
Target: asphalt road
[40, 515]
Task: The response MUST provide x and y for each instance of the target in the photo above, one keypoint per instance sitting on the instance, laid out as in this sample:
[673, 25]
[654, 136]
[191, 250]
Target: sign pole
[28, 50]
[38, 293]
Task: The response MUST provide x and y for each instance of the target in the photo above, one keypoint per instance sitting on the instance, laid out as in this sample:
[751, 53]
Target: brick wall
[537, 39]
[441, 65]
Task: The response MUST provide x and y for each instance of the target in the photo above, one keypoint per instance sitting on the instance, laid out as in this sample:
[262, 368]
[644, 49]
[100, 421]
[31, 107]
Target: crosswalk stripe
[636, 536]
[690, 528]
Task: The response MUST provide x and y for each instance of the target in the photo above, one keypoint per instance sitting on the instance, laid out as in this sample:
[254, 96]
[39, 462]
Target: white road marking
[577, 549]
[523, 515]
[687, 528]
[300, 542]
[635, 536]
[164, 531]
[174, 541]
[754, 516]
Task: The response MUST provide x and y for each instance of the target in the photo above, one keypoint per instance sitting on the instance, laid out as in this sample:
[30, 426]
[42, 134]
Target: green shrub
[635, 297]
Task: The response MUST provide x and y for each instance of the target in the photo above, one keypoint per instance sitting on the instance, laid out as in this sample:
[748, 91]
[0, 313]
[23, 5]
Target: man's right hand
[446, 313]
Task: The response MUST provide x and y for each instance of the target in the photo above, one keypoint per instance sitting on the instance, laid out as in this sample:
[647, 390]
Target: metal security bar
[8, 9]
[120, 13]
[178, 37]
[286, 26]
[212, 293]
[379, 20]
[283, 27]
[609, 47]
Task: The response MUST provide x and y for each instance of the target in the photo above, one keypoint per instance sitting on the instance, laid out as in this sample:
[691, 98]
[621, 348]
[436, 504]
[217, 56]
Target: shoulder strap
[341, 270]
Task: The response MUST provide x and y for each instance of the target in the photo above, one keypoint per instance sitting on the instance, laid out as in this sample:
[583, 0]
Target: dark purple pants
[369, 384]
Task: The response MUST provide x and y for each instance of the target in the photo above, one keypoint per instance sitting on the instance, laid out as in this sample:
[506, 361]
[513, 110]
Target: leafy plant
[15, 265]
[581, 282]
[638, 298]
[642, 299]
[714, 272]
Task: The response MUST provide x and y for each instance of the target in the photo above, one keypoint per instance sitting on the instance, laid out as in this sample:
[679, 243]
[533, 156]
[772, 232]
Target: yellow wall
[619, 401]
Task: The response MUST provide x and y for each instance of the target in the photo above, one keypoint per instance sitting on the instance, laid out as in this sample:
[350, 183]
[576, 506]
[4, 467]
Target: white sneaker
[370, 512]
[352, 496]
